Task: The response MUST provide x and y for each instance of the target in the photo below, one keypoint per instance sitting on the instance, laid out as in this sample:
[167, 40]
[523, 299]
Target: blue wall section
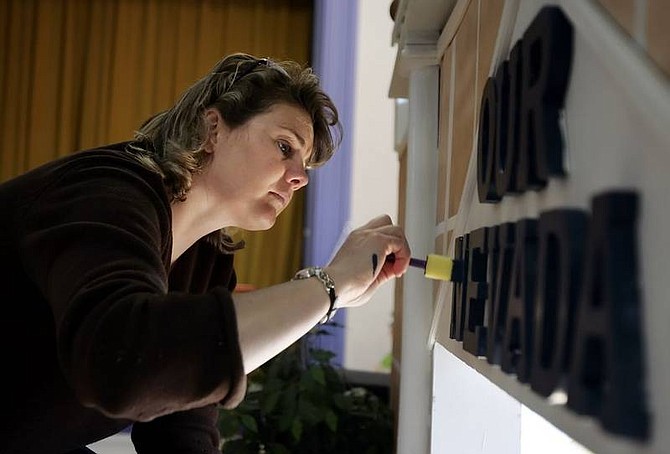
[329, 191]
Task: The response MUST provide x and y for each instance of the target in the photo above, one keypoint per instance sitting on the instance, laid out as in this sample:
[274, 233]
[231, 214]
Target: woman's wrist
[328, 285]
[343, 287]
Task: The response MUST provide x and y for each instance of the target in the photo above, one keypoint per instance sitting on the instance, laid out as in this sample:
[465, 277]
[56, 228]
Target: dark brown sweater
[97, 331]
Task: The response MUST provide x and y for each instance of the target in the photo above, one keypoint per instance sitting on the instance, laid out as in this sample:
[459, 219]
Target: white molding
[409, 58]
[416, 370]
[416, 31]
[401, 125]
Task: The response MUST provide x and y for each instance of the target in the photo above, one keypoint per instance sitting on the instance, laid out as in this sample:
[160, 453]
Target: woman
[117, 268]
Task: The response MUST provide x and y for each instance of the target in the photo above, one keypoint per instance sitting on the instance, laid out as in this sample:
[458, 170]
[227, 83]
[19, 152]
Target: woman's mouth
[283, 199]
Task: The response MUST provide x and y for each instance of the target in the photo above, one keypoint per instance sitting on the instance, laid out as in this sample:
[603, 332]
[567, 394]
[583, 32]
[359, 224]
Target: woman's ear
[213, 124]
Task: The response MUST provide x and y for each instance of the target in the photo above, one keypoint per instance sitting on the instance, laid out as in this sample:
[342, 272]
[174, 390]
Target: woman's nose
[296, 175]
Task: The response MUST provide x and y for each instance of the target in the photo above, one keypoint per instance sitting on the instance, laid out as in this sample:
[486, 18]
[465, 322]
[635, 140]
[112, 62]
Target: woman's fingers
[379, 221]
[360, 265]
[396, 247]
[397, 257]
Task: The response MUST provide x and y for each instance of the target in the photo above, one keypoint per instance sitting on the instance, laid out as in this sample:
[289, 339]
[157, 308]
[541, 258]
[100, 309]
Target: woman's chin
[261, 223]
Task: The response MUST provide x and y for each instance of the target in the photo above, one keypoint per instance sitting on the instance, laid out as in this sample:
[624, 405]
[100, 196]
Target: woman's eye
[284, 148]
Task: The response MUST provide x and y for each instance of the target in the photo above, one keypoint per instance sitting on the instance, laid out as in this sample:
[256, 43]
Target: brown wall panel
[440, 244]
[658, 33]
[490, 12]
[439, 248]
[623, 12]
[443, 135]
[398, 299]
[465, 44]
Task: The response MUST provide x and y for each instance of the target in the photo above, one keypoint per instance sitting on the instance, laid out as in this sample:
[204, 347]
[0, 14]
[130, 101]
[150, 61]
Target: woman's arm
[271, 319]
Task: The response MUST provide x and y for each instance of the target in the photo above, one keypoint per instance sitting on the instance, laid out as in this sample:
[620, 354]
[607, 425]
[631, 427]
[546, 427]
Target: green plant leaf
[322, 356]
[285, 421]
[318, 375]
[289, 397]
[300, 403]
[270, 402]
[277, 448]
[331, 420]
[236, 447]
[341, 401]
[249, 422]
[309, 412]
[387, 362]
[296, 429]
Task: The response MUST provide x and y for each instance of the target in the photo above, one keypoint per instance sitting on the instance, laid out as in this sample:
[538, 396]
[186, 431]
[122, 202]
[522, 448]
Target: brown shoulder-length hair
[240, 86]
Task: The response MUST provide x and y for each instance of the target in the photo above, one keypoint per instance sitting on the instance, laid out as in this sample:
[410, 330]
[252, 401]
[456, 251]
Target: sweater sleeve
[95, 242]
[189, 432]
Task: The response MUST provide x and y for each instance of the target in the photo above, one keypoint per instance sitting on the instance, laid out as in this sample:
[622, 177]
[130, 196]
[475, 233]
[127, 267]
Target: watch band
[328, 285]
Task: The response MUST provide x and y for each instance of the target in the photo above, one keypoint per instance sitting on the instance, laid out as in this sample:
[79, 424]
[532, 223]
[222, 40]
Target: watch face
[321, 275]
[305, 273]
[328, 284]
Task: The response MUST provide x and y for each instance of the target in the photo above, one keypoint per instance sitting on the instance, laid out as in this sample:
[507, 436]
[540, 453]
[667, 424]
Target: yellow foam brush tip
[439, 267]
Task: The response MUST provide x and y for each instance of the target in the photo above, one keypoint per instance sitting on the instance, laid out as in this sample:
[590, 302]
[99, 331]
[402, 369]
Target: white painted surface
[116, 444]
[470, 414]
[538, 435]
[415, 366]
[368, 337]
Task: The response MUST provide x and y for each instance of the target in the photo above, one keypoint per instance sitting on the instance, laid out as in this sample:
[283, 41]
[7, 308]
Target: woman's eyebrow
[301, 140]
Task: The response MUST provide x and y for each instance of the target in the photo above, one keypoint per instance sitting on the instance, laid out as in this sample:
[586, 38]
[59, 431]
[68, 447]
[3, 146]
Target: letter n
[461, 252]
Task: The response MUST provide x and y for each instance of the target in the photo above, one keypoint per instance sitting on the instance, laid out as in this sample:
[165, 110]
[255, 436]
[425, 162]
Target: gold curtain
[81, 73]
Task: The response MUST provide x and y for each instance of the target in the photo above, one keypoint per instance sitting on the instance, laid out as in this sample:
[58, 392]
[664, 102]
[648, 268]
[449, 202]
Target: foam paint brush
[435, 266]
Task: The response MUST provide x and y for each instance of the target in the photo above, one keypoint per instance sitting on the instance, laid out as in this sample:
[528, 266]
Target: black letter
[500, 161]
[474, 334]
[562, 238]
[547, 55]
[461, 251]
[607, 373]
[517, 344]
[486, 144]
[501, 274]
[507, 181]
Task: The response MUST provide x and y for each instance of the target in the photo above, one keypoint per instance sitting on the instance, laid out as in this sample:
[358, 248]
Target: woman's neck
[193, 219]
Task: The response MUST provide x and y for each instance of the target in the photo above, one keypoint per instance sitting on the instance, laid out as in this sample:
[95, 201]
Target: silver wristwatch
[328, 285]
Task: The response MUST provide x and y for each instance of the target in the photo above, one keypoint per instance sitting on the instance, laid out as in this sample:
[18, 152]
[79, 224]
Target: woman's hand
[272, 318]
[361, 265]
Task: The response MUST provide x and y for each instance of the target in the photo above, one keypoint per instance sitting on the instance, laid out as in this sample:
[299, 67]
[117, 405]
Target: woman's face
[256, 168]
